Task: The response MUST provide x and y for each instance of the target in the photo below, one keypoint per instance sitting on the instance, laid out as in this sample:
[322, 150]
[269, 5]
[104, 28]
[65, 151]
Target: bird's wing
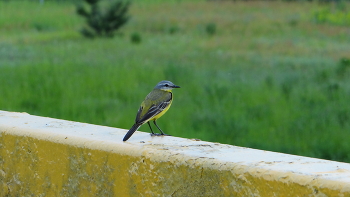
[152, 111]
[138, 115]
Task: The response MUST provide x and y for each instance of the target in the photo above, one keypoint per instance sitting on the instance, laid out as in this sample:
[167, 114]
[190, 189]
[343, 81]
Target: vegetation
[263, 75]
[337, 14]
[103, 22]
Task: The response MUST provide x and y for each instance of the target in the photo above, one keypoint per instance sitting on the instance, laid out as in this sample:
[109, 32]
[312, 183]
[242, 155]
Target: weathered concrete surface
[49, 157]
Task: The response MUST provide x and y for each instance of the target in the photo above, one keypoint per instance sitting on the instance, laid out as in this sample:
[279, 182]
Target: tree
[103, 22]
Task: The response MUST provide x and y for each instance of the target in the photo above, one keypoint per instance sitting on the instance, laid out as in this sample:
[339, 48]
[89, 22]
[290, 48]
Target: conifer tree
[103, 22]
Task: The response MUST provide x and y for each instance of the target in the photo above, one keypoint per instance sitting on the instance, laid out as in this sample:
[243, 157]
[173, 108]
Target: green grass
[269, 77]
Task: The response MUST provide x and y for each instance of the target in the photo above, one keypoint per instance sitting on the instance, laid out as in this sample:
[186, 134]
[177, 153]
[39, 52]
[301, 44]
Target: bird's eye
[166, 85]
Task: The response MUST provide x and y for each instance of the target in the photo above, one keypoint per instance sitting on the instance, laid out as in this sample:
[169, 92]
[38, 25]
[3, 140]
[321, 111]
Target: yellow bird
[153, 107]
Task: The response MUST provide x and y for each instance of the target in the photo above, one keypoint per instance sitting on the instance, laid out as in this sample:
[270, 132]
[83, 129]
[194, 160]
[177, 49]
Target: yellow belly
[161, 113]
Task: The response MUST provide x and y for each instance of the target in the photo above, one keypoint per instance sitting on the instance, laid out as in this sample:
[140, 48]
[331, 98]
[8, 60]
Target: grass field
[270, 76]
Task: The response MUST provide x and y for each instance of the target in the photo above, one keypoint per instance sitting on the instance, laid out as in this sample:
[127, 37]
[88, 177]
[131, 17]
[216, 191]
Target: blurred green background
[270, 75]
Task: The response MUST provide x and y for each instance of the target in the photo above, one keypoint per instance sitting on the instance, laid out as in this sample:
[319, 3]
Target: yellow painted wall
[37, 167]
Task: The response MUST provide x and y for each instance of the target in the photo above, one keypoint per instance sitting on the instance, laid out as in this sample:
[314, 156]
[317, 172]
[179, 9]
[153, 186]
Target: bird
[156, 103]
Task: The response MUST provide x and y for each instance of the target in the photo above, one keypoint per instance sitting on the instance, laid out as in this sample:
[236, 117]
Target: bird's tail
[131, 131]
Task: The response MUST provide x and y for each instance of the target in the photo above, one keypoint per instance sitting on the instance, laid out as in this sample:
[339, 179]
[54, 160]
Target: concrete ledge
[49, 157]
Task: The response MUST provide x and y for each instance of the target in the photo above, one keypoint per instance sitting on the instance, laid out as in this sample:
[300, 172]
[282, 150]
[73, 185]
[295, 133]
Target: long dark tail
[131, 131]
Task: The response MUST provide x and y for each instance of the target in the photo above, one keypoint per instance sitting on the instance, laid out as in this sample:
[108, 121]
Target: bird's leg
[162, 133]
[152, 134]
[151, 128]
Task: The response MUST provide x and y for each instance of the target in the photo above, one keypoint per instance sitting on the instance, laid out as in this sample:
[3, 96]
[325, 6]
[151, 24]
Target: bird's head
[166, 86]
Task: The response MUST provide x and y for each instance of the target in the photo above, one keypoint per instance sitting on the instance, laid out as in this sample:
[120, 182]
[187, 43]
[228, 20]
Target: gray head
[166, 86]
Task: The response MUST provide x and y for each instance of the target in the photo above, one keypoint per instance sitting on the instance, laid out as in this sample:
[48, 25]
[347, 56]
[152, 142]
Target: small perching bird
[153, 107]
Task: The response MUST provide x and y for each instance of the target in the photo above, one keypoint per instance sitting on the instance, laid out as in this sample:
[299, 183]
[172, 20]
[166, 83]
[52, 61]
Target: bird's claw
[159, 134]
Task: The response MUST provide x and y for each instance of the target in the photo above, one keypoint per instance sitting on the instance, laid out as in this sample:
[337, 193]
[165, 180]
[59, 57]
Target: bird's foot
[159, 134]
[155, 134]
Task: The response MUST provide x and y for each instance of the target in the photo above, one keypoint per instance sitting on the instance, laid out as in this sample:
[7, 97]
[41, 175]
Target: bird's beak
[175, 86]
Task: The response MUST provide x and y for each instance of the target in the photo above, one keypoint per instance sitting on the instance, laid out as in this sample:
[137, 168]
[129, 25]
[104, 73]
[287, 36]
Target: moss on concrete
[33, 167]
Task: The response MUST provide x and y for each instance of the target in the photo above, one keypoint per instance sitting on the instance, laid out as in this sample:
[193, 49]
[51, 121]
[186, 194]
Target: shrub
[173, 29]
[210, 29]
[135, 38]
[343, 67]
[103, 22]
